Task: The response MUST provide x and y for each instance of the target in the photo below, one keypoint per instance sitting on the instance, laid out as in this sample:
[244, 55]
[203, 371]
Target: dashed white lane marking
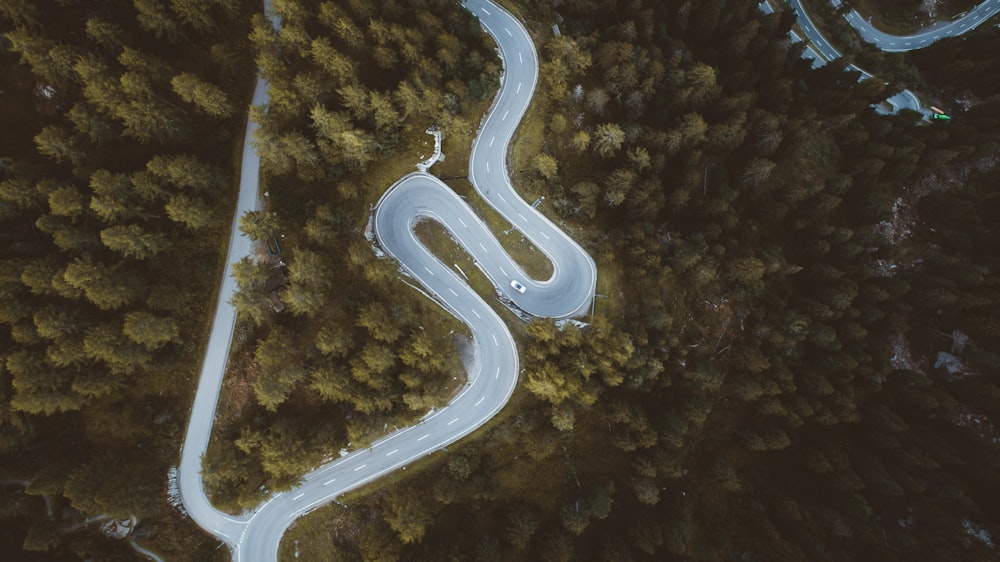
[504, 118]
[424, 437]
[504, 272]
[463, 223]
[452, 291]
[487, 166]
[392, 452]
[480, 401]
[502, 198]
[328, 482]
[360, 467]
[509, 34]
[545, 235]
[428, 270]
[518, 88]
[493, 138]
[477, 314]
[495, 341]
[296, 498]
[483, 247]
[498, 373]
[453, 421]
[522, 217]
[520, 58]
[484, 11]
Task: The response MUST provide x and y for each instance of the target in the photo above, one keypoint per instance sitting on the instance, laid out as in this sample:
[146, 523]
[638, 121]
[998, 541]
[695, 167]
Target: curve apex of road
[256, 534]
[902, 43]
[820, 50]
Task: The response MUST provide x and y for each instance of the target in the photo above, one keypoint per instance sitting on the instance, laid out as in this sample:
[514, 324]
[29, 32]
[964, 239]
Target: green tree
[310, 280]
[106, 343]
[574, 517]
[383, 111]
[150, 330]
[187, 171]
[132, 241]
[280, 368]
[107, 287]
[106, 34]
[66, 201]
[380, 322]
[56, 323]
[50, 61]
[143, 114]
[250, 298]
[758, 171]
[608, 138]
[522, 522]
[192, 212]
[408, 515]
[206, 96]
[111, 484]
[259, 225]
[154, 16]
[57, 143]
[196, 13]
[546, 166]
[112, 199]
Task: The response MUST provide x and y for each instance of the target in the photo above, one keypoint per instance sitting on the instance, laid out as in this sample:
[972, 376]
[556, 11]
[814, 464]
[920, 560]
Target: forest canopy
[781, 270]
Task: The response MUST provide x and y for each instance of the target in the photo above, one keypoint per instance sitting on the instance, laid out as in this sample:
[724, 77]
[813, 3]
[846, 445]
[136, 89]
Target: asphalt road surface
[900, 43]
[892, 43]
[820, 50]
[257, 535]
[199, 431]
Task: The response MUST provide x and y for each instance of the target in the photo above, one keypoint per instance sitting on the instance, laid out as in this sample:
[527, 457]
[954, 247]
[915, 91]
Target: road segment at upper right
[901, 43]
[820, 50]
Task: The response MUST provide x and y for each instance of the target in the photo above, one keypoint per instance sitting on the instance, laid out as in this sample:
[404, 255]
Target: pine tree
[259, 225]
[57, 143]
[207, 97]
[608, 138]
[192, 212]
[407, 515]
[107, 287]
[150, 330]
[132, 241]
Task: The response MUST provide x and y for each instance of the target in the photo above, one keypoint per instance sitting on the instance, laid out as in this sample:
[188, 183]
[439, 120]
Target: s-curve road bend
[900, 43]
[257, 535]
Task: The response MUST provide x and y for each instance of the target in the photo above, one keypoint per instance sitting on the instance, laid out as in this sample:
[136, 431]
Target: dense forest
[761, 383]
[122, 123]
[796, 358]
[355, 352]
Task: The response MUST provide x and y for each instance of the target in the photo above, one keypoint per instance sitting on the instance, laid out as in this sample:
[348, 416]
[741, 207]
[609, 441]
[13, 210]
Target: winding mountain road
[256, 535]
[568, 292]
[901, 43]
[820, 50]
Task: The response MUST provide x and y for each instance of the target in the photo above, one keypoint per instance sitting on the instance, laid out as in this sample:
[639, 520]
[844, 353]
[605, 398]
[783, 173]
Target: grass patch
[532, 260]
